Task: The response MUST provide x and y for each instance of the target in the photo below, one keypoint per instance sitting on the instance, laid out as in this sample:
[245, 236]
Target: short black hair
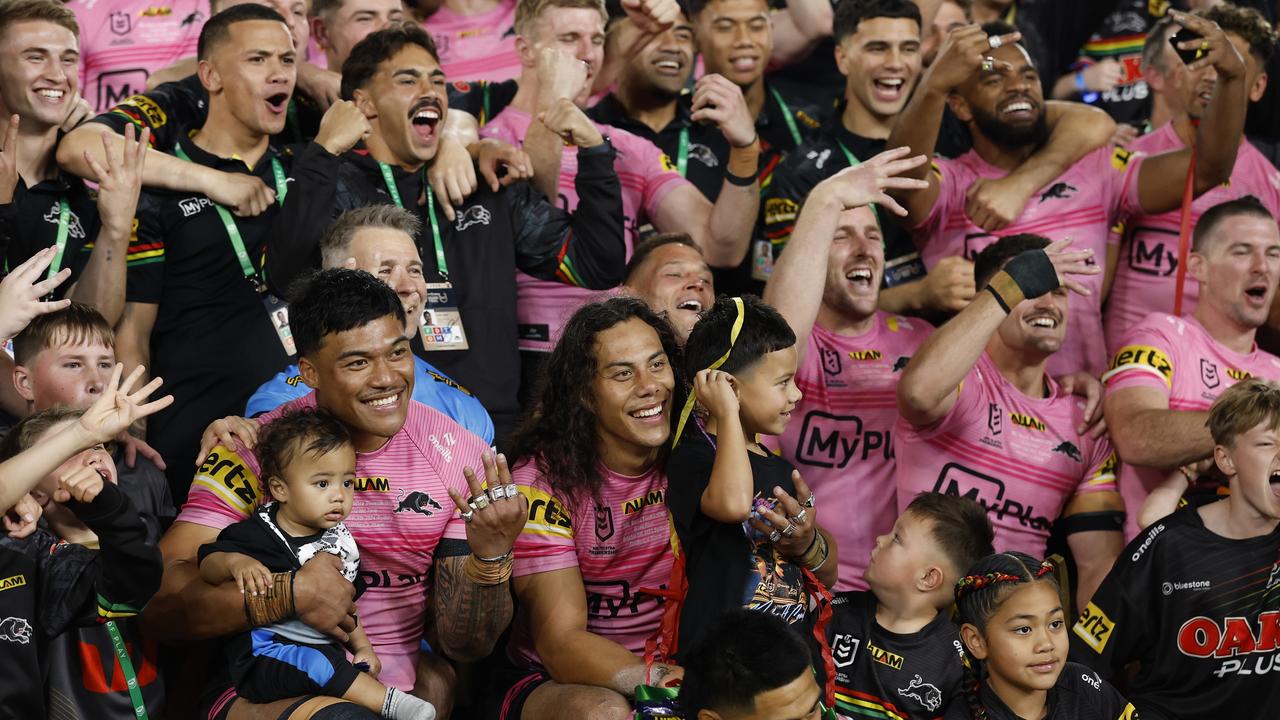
[849, 13]
[1220, 213]
[1249, 24]
[743, 655]
[646, 247]
[961, 527]
[994, 256]
[217, 29]
[378, 47]
[763, 331]
[338, 300]
[308, 430]
[695, 7]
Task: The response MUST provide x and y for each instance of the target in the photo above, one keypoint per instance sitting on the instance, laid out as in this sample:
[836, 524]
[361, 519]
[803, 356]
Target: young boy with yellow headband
[746, 521]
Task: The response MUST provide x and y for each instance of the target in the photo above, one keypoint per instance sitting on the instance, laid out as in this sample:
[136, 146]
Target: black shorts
[268, 667]
[509, 690]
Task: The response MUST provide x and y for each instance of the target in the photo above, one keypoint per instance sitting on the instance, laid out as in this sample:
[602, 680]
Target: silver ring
[497, 493]
[813, 499]
[988, 64]
[800, 517]
[478, 502]
[789, 530]
[994, 41]
[775, 536]
[467, 516]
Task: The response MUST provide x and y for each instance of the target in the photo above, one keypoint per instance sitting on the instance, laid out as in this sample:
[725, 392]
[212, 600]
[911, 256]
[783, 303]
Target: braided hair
[979, 594]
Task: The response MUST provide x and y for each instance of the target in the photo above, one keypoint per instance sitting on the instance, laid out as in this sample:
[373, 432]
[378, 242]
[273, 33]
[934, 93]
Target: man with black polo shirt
[395, 93]
[195, 310]
[40, 205]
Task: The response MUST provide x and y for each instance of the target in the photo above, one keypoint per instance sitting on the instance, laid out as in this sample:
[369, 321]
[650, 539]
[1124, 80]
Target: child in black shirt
[895, 650]
[749, 541]
[309, 463]
[1015, 635]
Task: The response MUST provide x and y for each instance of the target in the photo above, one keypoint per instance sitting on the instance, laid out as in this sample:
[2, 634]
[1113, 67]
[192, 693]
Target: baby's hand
[365, 655]
[251, 575]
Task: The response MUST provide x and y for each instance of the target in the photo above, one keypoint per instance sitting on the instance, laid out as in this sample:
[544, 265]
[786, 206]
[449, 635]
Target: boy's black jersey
[492, 236]
[882, 674]
[1080, 694]
[47, 586]
[1199, 614]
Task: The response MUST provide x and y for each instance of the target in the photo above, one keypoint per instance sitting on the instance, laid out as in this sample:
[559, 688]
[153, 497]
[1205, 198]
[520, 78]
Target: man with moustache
[396, 102]
[988, 80]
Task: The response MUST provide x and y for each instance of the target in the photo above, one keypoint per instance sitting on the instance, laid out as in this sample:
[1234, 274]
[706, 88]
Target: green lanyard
[229, 222]
[682, 152]
[389, 179]
[64, 222]
[786, 115]
[854, 162]
[126, 666]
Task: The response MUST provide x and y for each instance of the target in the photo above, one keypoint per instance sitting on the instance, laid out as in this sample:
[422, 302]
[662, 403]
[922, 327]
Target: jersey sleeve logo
[1142, 358]
[780, 210]
[228, 476]
[1094, 628]
[1120, 158]
[664, 161]
[547, 516]
[1106, 473]
[155, 117]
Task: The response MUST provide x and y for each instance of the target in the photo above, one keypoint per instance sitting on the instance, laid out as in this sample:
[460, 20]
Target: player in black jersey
[1015, 636]
[394, 91]
[1194, 601]
[895, 650]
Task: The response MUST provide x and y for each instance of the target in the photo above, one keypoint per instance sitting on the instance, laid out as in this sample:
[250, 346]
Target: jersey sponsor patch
[226, 474]
[154, 116]
[635, 505]
[1094, 628]
[1141, 358]
[1106, 474]
[547, 516]
[780, 210]
[1120, 158]
[664, 161]
[12, 582]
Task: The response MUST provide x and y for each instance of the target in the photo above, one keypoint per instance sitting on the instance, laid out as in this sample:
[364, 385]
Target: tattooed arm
[473, 595]
[469, 616]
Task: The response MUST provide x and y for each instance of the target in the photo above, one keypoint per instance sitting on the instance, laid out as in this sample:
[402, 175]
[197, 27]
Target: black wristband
[740, 181]
[1033, 272]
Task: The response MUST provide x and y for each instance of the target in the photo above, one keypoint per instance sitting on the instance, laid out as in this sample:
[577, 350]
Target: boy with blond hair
[1193, 600]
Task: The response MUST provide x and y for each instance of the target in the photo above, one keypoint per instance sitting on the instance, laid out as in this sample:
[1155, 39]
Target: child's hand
[82, 485]
[252, 577]
[22, 519]
[791, 524]
[366, 656]
[120, 405]
[716, 393]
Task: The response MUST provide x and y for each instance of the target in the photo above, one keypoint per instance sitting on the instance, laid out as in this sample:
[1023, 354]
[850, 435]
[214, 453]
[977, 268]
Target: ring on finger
[789, 530]
[994, 41]
[988, 64]
[811, 501]
[468, 515]
[775, 536]
[799, 517]
[478, 502]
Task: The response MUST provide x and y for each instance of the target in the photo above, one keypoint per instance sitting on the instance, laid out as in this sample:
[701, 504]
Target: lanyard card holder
[278, 312]
[441, 322]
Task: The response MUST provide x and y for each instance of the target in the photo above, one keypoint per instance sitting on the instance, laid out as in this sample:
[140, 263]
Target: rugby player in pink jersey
[598, 540]
[982, 418]
[1146, 270]
[1167, 371]
[557, 39]
[667, 272]
[411, 513]
[851, 355]
[476, 39]
[990, 83]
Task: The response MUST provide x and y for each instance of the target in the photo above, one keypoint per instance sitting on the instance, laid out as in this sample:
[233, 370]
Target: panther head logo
[474, 215]
[15, 629]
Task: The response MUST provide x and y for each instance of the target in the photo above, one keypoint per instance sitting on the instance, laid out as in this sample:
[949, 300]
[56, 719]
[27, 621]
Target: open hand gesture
[21, 290]
[121, 182]
[121, 405]
[869, 182]
[496, 511]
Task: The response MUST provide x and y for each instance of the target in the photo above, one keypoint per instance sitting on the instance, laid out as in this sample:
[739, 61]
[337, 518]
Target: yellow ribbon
[693, 395]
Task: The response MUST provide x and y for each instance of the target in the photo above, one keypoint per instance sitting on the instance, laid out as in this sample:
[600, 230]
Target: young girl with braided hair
[1014, 631]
